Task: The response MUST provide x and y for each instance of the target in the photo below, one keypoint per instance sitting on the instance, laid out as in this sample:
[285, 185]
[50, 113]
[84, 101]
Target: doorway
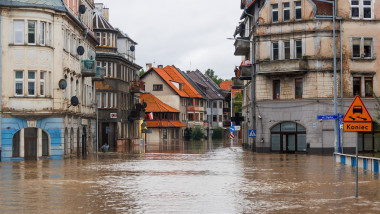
[30, 149]
[288, 137]
[289, 143]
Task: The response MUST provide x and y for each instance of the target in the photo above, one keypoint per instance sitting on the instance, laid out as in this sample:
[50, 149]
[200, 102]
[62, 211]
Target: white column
[22, 143]
[39, 143]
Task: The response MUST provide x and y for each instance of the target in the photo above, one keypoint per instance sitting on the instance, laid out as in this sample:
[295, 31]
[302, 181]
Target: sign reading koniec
[357, 118]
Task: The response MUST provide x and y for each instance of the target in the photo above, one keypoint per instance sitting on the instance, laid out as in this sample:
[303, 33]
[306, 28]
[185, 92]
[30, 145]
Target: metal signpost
[357, 119]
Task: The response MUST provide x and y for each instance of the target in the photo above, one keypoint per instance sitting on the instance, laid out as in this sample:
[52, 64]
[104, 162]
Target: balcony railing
[88, 68]
[241, 47]
[291, 66]
[245, 72]
[100, 74]
[137, 86]
[237, 83]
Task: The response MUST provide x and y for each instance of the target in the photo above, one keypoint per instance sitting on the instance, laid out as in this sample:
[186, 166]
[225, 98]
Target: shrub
[187, 133]
[197, 133]
[217, 133]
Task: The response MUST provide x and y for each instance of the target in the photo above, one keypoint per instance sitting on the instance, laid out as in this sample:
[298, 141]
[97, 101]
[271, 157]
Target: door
[289, 143]
[30, 148]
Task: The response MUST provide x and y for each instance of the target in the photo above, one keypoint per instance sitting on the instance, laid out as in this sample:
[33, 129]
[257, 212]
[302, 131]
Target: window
[286, 49]
[214, 104]
[42, 33]
[356, 85]
[220, 118]
[220, 104]
[65, 39]
[298, 49]
[190, 102]
[276, 89]
[105, 100]
[157, 87]
[164, 133]
[356, 47]
[98, 99]
[201, 117]
[367, 14]
[190, 116]
[19, 83]
[368, 47]
[19, 32]
[31, 32]
[298, 88]
[298, 13]
[286, 11]
[275, 51]
[214, 118]
[274, 12]
[31, 83]
[355, 8]
[98, 37]
[42, 84]
[368, 86]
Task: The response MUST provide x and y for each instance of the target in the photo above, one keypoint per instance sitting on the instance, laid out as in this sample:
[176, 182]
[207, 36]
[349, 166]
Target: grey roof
[100, 22]
[212, 90]
[50, 4]
[194, 84]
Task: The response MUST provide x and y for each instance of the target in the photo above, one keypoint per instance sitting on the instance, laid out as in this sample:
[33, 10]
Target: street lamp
[253, 85]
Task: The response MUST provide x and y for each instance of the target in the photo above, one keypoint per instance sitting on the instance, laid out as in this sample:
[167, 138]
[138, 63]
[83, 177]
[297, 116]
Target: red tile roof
[155, 105]
[154, 124]
[226, 85]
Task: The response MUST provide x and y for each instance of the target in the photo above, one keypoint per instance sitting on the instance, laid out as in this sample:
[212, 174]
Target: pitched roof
[49, 4]
[154, 124]
[171, 76]
[99, 22]
[226, 85]
[212, 90]
[155, 105]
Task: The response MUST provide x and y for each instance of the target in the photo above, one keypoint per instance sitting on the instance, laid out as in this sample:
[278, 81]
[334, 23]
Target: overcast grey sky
[190, 34]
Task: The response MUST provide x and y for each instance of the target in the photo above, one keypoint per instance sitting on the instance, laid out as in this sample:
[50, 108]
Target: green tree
[211, 73]
[141, 72]
[237, 102]
[197, 133]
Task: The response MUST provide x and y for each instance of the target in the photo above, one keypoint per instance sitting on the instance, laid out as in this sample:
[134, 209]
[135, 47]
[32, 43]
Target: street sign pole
[357, 170]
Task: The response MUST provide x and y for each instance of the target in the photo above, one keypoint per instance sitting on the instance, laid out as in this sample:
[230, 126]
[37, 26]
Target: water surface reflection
[186, 177]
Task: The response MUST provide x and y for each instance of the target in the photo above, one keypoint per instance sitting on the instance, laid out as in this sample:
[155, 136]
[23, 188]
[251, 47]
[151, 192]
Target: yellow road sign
[357, 127]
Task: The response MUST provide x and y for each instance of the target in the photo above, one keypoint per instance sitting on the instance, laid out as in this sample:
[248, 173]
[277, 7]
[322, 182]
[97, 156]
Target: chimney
[103, 10]
[188, 71]
[160, 66]
[106, 13]
[148, 66]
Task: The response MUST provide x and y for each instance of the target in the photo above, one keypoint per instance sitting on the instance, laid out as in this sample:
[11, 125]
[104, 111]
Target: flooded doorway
[30, 143]
[288, 137]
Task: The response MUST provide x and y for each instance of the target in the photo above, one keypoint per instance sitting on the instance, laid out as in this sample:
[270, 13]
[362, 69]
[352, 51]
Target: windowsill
[31, 97]
[30, 45]
[363, 59]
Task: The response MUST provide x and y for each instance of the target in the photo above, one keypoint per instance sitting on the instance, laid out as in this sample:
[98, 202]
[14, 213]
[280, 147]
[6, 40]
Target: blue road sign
[330, 117]
[232, 129]
[252, 133]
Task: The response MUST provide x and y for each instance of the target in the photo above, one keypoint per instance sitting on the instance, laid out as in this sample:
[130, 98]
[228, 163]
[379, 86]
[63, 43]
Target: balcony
[237, 83]
[241, 47]
[100, 74]
[137, 86]
[226, 110]
[245, 72]
[294, 66]
[226, 123]
[136, 115]
[88, 68]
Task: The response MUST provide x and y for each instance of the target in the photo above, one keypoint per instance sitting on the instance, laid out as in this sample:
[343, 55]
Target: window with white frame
[42, 83]
[104, 39]
[367, 9]
[355, 9]
[42, 33]
[286, 11]
[274, 12]
[18, 32]
[298, 8]
[298, 49]
[105, 99]
[31, 83]
[110, 101]
[98, 99]
[362, 47]
[99, 38]
[19, 83]
[275, 51]
[31, 32]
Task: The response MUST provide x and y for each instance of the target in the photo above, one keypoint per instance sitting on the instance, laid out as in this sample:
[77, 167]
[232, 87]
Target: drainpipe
[1, 78]
[341, 81]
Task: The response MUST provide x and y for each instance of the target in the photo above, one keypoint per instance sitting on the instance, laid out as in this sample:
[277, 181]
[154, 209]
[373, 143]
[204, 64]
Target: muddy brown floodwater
[194, 177]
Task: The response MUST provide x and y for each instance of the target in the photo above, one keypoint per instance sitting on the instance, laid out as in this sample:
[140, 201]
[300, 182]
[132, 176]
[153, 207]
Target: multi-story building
[215, 98]
[172, 88]
[47, 92]
[289, 47]
[119, 109]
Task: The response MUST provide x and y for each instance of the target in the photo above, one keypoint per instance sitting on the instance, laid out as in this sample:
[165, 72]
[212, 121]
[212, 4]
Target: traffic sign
[330, 117]
[237, 128]
[252, 133]
[232, 128]
[357, 112]
[357, 127]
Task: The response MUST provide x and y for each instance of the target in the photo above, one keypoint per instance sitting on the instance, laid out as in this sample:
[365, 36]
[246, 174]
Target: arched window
[288, 137]
[45, 144]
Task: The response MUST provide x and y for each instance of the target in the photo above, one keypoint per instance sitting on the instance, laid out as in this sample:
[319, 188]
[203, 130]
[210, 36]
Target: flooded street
[187, 178]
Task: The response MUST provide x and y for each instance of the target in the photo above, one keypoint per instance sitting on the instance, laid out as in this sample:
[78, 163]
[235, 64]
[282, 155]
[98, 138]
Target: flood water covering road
[193, 177]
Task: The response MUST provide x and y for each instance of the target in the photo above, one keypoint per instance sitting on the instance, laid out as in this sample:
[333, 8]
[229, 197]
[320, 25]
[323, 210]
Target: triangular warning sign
[357, 112]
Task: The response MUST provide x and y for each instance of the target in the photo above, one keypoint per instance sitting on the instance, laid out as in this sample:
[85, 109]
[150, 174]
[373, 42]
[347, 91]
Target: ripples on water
[187, 178]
